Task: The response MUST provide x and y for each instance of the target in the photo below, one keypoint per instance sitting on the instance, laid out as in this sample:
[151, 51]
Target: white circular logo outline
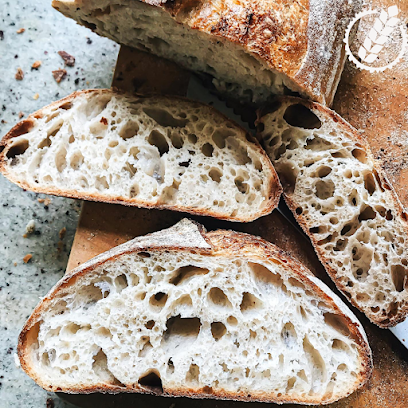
[356, 62]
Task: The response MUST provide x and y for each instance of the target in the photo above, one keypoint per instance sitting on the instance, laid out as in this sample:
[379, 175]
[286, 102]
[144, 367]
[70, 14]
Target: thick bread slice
[251, 48]
[162, 152]
[183, 312]
[343, 201]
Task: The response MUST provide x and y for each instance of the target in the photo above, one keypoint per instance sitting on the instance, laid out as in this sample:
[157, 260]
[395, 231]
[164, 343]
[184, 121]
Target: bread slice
[183, 312]
[343, 201]
[162, 152]
[252, 48]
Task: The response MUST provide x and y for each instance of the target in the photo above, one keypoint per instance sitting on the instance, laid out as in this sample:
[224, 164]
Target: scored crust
[190, 237]
[272, 187]
[301, 41]
[326, 115]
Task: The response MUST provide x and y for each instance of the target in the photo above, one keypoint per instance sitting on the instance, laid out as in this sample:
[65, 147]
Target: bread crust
[217, 243]
[353, 133]
[274, 187]
[302, 40]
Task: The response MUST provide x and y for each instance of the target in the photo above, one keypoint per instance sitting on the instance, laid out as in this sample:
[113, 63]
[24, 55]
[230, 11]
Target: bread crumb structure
[158, 151]
[343, 201]
[229, 324]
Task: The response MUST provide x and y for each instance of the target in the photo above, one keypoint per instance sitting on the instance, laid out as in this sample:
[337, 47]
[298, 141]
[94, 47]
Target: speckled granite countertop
[21, 284]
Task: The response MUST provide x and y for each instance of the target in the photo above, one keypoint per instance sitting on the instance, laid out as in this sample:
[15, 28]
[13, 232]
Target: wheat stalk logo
[383, 27]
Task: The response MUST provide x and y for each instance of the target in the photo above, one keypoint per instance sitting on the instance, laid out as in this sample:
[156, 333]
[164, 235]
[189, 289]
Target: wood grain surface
[103, 226]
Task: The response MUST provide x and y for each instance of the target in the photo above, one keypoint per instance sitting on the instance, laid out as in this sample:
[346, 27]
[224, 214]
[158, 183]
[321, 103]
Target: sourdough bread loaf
[162, 152]
[343, 201]
[183, 312]
[252, 49]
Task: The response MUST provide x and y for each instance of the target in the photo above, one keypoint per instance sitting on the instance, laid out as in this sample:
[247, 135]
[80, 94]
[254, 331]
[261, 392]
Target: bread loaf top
[296, 44]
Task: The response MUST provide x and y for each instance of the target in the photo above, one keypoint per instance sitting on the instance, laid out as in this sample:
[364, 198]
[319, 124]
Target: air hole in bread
[17, 148]
[289, 335]
[367, 214]
[241, 186]
[300, 116]
[232, 321]
[399, 277]
[144, 254]
[360, 155]
[291, 384]
[176, 140]
[121, 283]
[193, 374]
[129, 130]
[158, 300]
[186, 273]
[207, 149]
[337, 322]
[66, 106]
[219, 298]
[76, 160]
[185, 164]
[324, 171]
[164, 118]
[147, 346]
[250, 302]
[60, 159]
[325, 189]
[218, 330]
[152, 382]
[219, 137]
[177, 327]
[101, 183]
[157, 139]
[215, 175]
[192, 138]
[313, 355]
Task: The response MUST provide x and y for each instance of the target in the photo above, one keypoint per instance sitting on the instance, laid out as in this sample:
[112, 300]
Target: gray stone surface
[21, 284]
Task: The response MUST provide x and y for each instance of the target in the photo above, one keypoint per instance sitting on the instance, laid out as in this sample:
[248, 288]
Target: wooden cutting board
[103, 226]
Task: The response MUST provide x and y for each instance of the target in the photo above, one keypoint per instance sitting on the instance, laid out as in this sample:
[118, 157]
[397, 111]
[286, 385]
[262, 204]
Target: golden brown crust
[387, 321]
[222, 243]
[301, 39]
[274, 188]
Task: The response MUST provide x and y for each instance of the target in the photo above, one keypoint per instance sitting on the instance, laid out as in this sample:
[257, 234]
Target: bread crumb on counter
[20, 31]
[62, 233]
[30, 228]
[36, 65]
[59, 74]
[20, 115]
[69, 59]
[36, 96]
[27, 258]
[19, 74]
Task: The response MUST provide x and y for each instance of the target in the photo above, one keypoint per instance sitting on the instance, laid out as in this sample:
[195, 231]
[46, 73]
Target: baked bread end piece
[342, 199]
[183, 312]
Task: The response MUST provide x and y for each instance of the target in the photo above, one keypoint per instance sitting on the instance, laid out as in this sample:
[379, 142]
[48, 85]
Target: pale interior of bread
[149, 28]
[149, 151]
[333, 183]
[174, 320]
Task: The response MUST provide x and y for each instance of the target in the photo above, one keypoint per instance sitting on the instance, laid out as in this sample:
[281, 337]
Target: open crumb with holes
[251, 49]
[343, 201]
[183, 312]
[163, 152]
